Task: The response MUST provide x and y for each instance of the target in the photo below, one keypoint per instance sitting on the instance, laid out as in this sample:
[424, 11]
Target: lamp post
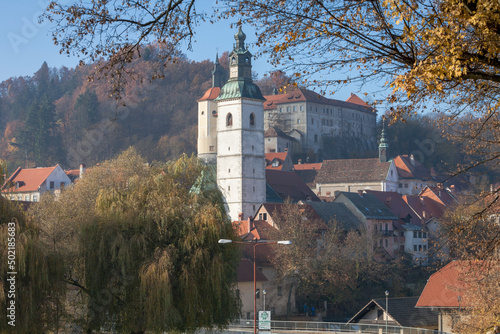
[386, 310]
[264, 295]
[255, 243]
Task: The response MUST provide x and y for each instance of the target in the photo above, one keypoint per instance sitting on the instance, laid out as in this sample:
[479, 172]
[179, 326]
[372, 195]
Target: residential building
[278, 141]
[376, 217]
[397, 312]
[444, 292]
[29, 184]
[411, 234]
[351, 175]
[289, 186]
[413, 176]
[279, 161]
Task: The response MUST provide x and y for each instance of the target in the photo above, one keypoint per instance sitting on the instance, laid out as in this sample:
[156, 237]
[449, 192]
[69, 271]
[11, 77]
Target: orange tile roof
[445, 286]
[411, 170]
[29, 179]
[315, 166]
[356, 100]
[210, 94]
[302, 95]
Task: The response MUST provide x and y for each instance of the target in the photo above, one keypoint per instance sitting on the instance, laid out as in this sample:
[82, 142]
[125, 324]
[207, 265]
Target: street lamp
[264, 295]
[386, 310]
[255, 243]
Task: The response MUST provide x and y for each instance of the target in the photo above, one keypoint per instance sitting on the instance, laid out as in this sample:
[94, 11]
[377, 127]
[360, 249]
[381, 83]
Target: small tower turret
[217, 73]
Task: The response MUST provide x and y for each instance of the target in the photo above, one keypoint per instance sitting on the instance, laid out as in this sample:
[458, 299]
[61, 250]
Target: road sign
[264, 320]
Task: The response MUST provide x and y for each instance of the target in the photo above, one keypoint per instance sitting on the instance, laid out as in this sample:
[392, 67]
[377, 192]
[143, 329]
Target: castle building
[308, 116]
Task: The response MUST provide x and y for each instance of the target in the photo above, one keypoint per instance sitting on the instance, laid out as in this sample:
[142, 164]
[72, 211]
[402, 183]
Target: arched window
[252, 119]
[229, 120]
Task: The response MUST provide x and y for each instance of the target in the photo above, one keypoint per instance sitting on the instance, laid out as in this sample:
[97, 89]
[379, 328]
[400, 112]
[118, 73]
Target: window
[229, 170]
[298, 121]
[252, 119]
[415, 248]
[386, 226]
[287, 109]
[301, 108]
[254, 170]
[425, 247]
[61, 185]
[228, 188]
[253, 189]
[211, 148]
[322, 122]
[386, 243]
[19, 197]
[229, 119]
[35, 198]
[229, 148]
[51, 185]
[294, 108]
[281, 109]
[406, 185]
[419, 248]
[280, 291]
[414, 234]
[424, 235]
[312, 120]
[202, 112]
[400, 185]
[420, 234]
[315, 138]
[214, 113]
[253, 148]
[380, 314]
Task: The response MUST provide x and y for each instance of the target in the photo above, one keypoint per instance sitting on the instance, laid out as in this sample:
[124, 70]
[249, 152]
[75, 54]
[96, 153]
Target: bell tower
[207, 117]
[240, 136]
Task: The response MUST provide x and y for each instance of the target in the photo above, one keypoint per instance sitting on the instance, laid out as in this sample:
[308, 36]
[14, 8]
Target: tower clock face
[233, 72]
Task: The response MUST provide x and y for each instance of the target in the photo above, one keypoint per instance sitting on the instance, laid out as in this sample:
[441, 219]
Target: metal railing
[335, 327]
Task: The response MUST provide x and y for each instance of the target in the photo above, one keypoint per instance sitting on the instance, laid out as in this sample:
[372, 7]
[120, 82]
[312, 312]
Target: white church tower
[240, 136]
[207, 118]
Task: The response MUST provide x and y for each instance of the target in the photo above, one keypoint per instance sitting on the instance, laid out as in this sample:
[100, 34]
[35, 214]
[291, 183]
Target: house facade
[29, 184]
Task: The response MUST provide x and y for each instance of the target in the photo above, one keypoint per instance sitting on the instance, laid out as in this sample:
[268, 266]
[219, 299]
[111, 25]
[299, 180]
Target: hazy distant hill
[58, 116]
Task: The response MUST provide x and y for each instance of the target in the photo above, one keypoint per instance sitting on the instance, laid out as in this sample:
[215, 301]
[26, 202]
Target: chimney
[453, 189]
[424, 214]
[360, 193]
[82, 170]
[240, 216]
[412, 160]
[300, 161]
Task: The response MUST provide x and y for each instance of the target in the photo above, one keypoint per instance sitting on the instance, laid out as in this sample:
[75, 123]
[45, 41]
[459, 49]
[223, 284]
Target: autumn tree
[325, 262]
[142, 249]
[38, 290]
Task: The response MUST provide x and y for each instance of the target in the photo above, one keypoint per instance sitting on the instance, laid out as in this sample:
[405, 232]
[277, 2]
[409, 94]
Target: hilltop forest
[59, 115]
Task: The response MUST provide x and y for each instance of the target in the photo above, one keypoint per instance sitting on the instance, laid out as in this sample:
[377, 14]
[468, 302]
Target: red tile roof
[409, 168]
[353, 170]
[445, 286]
[73, 173]
[355, 99]
[210, 94]
[302, 95]
[315, 166]
[29, 179]
[281, 156]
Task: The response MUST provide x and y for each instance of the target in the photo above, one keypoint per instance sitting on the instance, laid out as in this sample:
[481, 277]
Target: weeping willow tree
[141, 249]
[36, 292]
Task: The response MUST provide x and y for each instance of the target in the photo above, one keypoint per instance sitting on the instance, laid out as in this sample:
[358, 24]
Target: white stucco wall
[240, 156]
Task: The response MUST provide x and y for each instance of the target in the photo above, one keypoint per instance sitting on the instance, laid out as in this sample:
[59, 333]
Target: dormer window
[229, 120]
[276, 163]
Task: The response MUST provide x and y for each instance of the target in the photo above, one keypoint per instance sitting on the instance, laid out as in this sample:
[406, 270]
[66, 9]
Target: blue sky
[26, 44]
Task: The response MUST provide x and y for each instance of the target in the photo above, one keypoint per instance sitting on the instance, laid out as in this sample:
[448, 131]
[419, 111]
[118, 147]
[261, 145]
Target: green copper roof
[238, 89]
